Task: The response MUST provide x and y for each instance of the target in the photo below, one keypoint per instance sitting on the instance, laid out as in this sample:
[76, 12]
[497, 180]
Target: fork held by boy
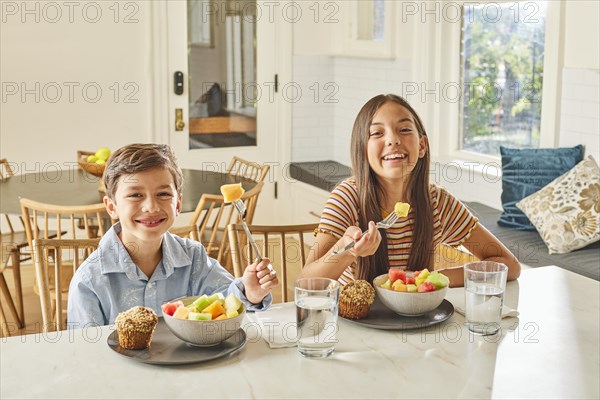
[241, 209]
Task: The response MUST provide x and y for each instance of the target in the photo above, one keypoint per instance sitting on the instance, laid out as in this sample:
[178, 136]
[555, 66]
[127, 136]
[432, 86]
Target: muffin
[356, 299]
[135, 327]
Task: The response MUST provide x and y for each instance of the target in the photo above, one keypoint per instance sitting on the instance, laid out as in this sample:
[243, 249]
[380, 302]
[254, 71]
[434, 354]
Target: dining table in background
[77, 187]
[551, 350]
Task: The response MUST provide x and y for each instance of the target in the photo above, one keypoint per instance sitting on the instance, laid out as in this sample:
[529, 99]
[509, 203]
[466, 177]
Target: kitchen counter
[322, 174]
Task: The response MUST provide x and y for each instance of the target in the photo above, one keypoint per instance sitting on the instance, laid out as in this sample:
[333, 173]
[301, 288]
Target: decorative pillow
[566, 213]
[525, 171]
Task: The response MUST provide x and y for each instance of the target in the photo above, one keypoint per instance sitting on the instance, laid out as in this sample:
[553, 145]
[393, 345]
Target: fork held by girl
[390, 163]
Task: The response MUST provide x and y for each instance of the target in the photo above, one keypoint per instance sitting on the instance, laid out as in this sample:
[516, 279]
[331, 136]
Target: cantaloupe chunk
[401, 209]
[232, 192]
[216, 309]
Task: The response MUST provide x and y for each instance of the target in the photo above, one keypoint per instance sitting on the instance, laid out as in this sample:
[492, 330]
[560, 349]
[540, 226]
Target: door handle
[179, 124]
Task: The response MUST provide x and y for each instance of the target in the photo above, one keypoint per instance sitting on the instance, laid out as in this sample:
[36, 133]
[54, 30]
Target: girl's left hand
[258, 281]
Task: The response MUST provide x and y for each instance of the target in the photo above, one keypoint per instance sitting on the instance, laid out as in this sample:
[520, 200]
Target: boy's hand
[258, 281]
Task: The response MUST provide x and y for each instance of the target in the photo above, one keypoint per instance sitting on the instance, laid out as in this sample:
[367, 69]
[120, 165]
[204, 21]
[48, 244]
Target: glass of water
[316, 315]
[485, 282]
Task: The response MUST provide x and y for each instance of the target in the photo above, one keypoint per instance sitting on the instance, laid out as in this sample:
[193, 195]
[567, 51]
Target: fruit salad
[418, 281]
[232, 192]
[205, 308]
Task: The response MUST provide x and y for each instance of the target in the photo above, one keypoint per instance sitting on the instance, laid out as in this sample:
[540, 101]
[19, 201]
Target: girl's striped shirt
[452, 223]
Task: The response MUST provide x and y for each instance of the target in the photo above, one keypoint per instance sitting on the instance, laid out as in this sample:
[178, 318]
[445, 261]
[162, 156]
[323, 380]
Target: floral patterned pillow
[566, 212]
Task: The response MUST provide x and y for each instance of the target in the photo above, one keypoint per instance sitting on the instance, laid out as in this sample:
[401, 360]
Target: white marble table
[550, 351]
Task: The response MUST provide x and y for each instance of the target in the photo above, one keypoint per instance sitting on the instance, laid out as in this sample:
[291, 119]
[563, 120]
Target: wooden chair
[248, 169]
[447, 257]
[212, 215]
[41, 220]
[56, 261]
[7, 254]
[189, 231]
[285, 245]
[14, 248]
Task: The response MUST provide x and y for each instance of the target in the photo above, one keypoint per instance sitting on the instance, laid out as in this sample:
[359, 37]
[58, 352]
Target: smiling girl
[390, 162]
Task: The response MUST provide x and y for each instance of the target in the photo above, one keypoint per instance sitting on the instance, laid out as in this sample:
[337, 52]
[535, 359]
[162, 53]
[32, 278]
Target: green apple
[91, 158]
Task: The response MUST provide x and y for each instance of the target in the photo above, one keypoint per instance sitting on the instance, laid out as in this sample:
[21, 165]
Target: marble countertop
[550, 351]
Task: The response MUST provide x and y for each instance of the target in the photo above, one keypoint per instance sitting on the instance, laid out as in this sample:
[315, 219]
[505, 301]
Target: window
[502, 73]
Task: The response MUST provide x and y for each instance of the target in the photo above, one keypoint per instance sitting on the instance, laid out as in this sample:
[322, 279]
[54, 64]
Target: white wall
[582, 34]
[51, 49]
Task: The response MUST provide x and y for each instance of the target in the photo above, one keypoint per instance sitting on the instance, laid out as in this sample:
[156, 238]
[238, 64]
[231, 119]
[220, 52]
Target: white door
[232, 57]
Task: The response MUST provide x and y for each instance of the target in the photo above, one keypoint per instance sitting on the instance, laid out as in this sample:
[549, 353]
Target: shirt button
[153, 283]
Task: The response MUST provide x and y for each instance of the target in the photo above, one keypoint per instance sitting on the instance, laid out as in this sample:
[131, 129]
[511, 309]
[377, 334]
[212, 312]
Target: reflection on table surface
[77, 187]
[549, 351]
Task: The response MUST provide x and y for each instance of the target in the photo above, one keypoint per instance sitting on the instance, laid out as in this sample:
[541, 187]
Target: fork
[383, 224]
[241, 209]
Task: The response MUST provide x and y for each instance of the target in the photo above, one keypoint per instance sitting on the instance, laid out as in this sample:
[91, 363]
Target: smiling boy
[138, 262]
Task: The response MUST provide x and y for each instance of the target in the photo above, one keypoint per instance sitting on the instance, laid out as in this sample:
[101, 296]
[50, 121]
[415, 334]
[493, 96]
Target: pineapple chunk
[232, 314]
[401, 209]
[232, 192]
[220, 317]
[181, 312]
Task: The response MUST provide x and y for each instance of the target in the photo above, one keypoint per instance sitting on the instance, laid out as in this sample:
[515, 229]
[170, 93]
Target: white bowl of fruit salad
[411, 293]
[204, 320]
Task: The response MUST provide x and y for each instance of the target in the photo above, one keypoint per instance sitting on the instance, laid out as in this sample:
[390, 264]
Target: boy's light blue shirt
[109, 282]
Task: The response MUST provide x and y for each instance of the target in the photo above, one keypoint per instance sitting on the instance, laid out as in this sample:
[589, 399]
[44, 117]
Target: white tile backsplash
[580, 110]
[352, 81]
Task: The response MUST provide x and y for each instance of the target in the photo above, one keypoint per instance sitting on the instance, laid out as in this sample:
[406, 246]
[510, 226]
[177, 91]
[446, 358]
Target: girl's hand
[258, 282]
[367, 244]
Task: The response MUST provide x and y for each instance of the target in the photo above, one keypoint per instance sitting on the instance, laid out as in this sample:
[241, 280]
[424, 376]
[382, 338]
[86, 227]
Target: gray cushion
[530, 249]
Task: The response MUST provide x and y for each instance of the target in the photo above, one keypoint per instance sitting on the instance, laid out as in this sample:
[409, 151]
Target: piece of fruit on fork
[232, 192]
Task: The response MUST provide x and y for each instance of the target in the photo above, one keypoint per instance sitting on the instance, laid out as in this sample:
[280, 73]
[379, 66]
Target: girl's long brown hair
[371, 196]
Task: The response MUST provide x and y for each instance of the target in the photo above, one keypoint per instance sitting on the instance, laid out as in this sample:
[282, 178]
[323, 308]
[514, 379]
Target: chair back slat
[58, 258]
[45, 221]
[288, 261]
[248, 169]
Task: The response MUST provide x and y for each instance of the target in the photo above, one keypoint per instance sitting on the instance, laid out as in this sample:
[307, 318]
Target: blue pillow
[525, 171]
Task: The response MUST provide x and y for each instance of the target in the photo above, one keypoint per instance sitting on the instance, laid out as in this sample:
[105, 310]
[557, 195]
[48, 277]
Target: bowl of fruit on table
[411, 293]
[93, 163]
[204, 320]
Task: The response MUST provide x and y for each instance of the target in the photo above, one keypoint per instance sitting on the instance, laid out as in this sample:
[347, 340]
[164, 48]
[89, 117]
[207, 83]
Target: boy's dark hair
[138, 157]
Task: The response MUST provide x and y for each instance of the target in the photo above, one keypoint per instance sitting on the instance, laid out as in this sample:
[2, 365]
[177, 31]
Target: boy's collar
[173, 255]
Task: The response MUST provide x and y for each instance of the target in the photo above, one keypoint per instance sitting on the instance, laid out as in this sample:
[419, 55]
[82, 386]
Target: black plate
[381, 317]
[167, 349]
